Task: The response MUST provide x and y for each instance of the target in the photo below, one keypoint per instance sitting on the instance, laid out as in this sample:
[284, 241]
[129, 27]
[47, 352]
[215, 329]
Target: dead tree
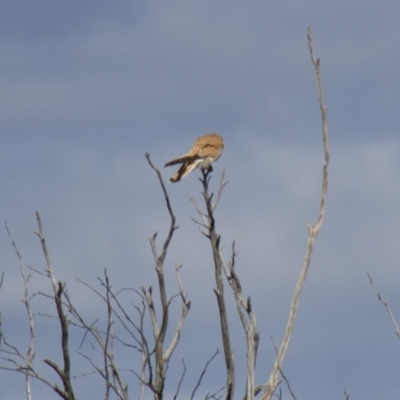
[155, 353]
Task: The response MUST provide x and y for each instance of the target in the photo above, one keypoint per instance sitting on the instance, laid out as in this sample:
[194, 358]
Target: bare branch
[249, 324]
[180, 380]
[184, 312]
[312, 234]
[202, 214]
[58, 289]
[243, 304]
[159, 331]
[388, 309]
[50, 269]
[288, 384]
[26, 367]
[215, 394]
[108, 371]
[30, 354]
[222, 184]
[203, 373]
[209, 222]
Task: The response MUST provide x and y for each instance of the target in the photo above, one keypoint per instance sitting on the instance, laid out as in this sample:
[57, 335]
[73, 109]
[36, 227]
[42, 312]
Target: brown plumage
[205, 150]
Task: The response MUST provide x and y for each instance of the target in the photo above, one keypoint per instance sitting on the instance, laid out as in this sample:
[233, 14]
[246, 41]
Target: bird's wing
[210, 145]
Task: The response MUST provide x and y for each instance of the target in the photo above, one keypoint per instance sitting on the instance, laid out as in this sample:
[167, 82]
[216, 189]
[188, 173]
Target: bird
[205, 150]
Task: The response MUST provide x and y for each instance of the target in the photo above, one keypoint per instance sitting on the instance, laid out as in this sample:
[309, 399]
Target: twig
[203, 373]
[312, 234]
[222, 184]
[184, 312]
[288, 384]
[108, 371]
[215, 394]
[386, 304]
[180, 380]
[30, 354]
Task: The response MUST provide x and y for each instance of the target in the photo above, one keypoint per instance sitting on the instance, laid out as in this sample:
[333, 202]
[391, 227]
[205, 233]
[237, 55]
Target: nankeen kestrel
[205, 150]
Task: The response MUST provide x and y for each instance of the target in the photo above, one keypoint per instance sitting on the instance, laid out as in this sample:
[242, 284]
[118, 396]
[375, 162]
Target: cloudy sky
[87, 87]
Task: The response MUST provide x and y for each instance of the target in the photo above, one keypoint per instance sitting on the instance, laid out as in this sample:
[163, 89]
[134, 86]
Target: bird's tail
[176, 161]
[184, 170]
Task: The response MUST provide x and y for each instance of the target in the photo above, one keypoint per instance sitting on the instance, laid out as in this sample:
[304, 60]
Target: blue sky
[86, 88]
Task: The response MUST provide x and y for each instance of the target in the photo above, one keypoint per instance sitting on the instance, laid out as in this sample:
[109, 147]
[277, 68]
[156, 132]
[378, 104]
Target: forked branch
[58, 288]
[211, 233]
[248, 319]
